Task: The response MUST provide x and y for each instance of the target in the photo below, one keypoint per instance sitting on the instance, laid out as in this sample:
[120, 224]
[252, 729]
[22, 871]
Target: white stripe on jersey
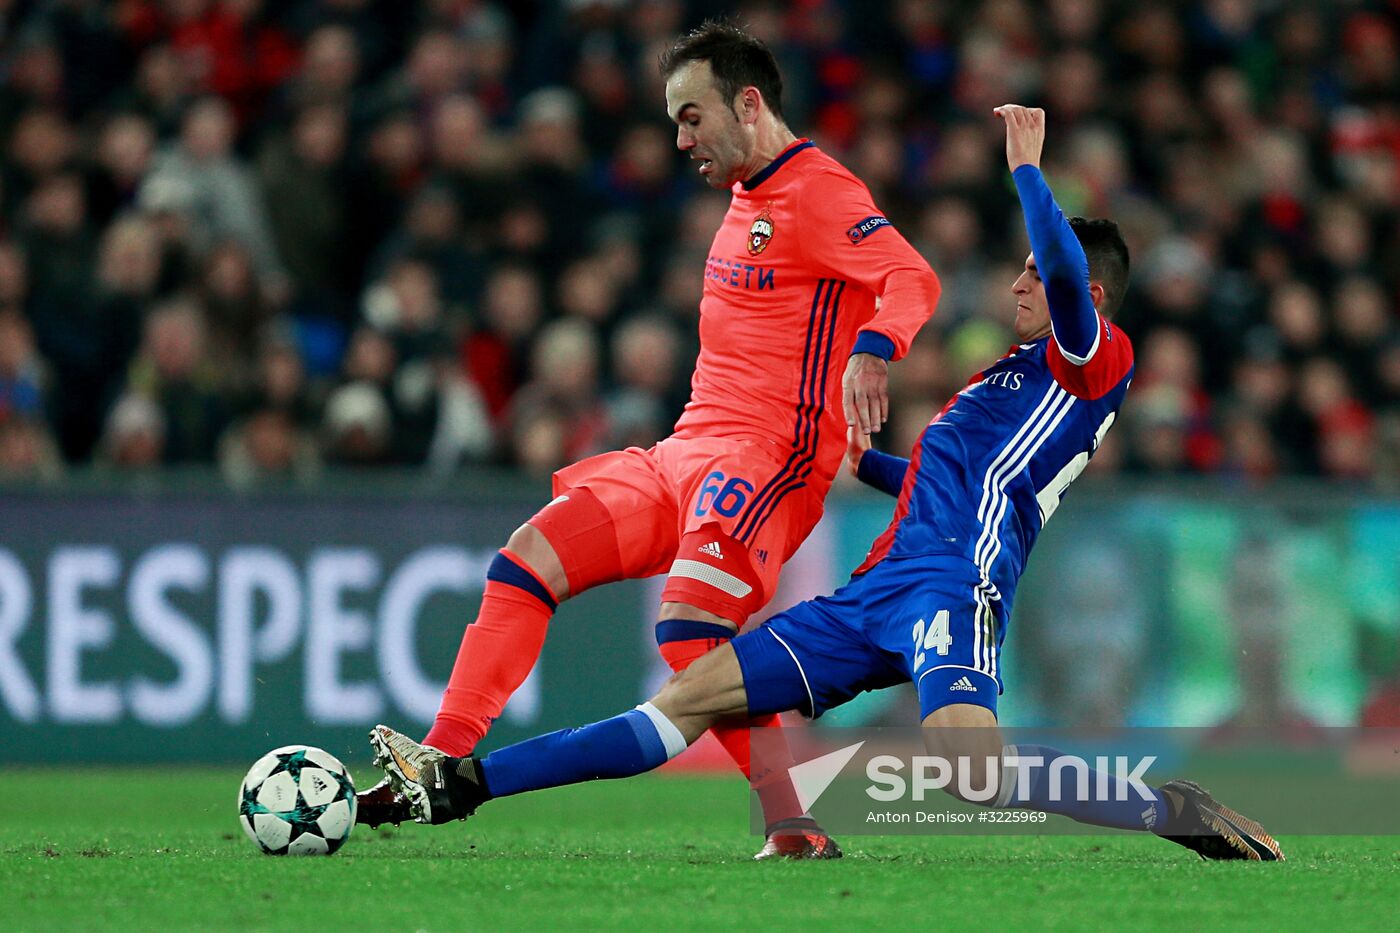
[1009, 462]
[977, 597]
[991, 491]
[1012, 459]
[983, 648]
[992, 530]
[1007, 450]
[991, 624]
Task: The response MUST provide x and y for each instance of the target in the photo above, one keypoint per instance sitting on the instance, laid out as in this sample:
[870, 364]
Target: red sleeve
[849, 238]
[1109, 361]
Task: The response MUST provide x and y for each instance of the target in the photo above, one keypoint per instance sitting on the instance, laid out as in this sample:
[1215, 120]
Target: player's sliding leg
[712, 588]
[967, 736]
[442, 788]
[789, 832]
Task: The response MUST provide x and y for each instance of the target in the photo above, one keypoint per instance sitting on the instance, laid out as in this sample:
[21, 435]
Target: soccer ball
[297, 800]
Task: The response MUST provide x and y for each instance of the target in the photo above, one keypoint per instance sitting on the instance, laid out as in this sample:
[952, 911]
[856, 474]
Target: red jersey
[791, 284]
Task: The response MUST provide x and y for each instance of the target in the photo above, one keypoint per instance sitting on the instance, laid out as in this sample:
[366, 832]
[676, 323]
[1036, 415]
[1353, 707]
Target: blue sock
[1102, 806]
[637, 741]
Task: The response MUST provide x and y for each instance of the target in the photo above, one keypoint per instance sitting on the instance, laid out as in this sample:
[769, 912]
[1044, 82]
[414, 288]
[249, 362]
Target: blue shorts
[924, 620]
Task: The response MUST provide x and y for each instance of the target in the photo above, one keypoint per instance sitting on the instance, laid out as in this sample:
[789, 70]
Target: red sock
[773, 786]
[498, 651]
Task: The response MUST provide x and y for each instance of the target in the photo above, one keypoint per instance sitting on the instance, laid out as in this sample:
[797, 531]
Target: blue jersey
[992, 466]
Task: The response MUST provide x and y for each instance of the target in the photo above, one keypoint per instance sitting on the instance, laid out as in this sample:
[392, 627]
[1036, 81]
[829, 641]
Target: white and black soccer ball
[297, 800]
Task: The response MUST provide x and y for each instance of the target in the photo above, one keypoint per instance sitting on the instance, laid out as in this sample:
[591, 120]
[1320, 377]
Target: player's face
[1032, 310]
[707, 127]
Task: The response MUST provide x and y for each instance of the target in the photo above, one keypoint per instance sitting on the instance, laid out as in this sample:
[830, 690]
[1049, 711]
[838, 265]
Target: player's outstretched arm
[1058, 255]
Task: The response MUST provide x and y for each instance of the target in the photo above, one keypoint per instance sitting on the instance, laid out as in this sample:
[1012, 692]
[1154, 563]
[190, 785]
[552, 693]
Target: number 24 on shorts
[726, 498]
[933, 638]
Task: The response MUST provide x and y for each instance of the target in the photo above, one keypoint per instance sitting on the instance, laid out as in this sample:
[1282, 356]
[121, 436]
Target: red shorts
[739, 504]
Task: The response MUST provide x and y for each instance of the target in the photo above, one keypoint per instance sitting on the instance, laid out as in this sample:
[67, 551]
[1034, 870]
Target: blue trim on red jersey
[504, 570]
[811, 405]
[669, 630]
[874, 343]
[767, 171]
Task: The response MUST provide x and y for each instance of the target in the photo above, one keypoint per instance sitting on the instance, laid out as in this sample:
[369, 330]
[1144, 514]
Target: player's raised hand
[1025, 134]
[865, 392]
[857, 443]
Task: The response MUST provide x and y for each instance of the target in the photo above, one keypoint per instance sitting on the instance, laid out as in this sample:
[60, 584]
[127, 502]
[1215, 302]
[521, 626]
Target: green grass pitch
[162, 849]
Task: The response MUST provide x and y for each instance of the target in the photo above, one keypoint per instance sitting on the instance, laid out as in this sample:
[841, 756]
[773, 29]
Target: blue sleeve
[883, 471]
[1062, 264]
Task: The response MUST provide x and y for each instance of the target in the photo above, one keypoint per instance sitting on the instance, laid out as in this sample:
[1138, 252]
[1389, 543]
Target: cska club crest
[760, 232]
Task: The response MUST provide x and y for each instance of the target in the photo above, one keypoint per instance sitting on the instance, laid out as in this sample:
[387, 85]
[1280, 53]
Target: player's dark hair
[1107, 253]
[736, 59]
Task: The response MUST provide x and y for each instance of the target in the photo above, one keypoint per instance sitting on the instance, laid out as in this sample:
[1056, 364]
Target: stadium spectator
[173, 370]
[280, 383]
[330, 68]
[473, 165]
[648, 394]
[302, 180]
[59, 242]
[234, 309]
[124, 153]
[432, 233]
[23, 372]
[553, 171]
[360, 431]
[435, 67]
[267, 444]
[225, 198]
[496, 353]
[27, 451]
[564, 387]
[161, 90]
[134, 437]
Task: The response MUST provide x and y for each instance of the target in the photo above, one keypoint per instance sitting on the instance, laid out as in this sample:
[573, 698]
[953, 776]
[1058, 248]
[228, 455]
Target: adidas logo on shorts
[713, 550]
[962, 683]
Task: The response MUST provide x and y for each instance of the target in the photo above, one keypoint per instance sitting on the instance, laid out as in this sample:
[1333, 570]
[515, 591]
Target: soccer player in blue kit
[931, 603]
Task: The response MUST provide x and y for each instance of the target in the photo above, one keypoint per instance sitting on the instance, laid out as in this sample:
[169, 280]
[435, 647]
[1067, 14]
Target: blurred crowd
[281, 236]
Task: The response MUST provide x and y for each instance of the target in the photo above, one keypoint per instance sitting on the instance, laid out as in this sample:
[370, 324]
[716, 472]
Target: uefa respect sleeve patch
[866, 227]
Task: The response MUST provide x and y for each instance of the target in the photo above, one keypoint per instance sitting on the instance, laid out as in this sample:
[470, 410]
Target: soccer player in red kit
[791, 340]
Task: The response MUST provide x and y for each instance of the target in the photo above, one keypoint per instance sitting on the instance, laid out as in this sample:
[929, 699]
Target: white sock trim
[1009, 775]
[671, 737]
